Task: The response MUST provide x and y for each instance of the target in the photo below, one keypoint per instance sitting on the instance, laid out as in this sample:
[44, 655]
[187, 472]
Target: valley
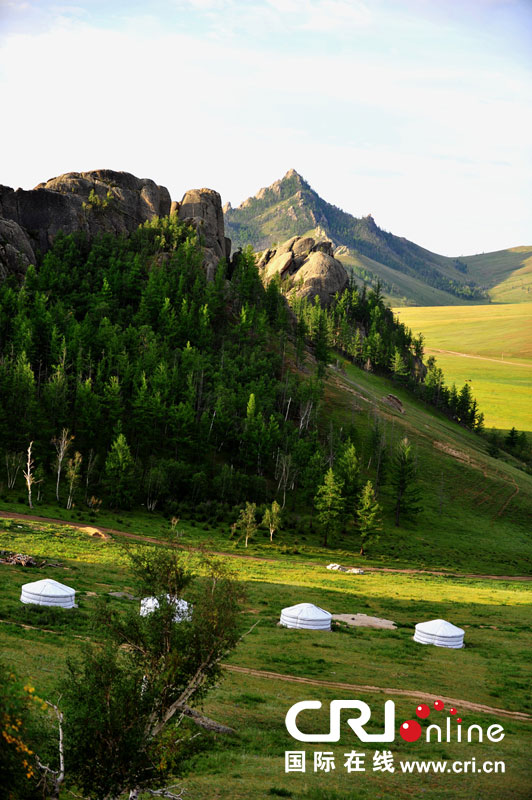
[409, 275]
[190, 387]
[488, 346]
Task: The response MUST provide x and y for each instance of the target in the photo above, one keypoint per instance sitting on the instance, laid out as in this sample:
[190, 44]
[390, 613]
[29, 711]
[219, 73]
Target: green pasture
[493, 668]
[488, 346]
[398, 288]
[473, 522]
[506, 273]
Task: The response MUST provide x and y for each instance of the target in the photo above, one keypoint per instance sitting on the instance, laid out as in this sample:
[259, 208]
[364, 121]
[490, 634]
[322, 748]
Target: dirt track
[139, 538]
[354, 687]
[479, 358]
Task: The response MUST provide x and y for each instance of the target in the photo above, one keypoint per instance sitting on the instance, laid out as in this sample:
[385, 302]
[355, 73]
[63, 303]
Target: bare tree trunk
[14, 462]
[90, 467]
[29, 475]
[61, 444]
[57, 776]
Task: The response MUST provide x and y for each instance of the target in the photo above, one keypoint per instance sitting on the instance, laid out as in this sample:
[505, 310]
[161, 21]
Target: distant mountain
[408, 273]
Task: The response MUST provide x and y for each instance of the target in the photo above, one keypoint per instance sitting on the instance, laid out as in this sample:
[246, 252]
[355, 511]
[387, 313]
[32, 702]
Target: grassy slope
[502, 386]
[476, 509]
[506, 273]
[406, 289]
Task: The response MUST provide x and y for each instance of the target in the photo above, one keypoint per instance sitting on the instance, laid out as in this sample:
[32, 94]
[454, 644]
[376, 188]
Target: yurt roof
[306, 611]
[440, 628]
[48, 588]
[149, 604]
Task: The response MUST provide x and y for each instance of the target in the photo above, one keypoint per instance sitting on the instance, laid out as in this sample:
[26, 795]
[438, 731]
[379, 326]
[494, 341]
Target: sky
[416, 111]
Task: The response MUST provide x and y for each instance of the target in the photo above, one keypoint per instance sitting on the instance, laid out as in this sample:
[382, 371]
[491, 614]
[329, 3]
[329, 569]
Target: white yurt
[48, 593]
[440, 633]
[306, 615]
[183, 610]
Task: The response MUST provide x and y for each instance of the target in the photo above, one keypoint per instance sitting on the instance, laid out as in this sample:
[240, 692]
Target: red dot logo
[410, 730]
[452, 711]
[458, 719]
[423, 711]
[439, 705]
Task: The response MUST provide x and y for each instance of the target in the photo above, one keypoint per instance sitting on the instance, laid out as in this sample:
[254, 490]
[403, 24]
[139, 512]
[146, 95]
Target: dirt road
[152, 540]
[355, 687]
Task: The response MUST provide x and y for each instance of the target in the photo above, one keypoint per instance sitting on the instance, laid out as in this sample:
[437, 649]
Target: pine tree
[368, 516]
[301, 335]
[329, 504]
[464, 405]
[321, 344]
[356, 350]
[348, 471]
[398, 366]
[379, 454]
[404, 482]
[511, 438]
[119, 474]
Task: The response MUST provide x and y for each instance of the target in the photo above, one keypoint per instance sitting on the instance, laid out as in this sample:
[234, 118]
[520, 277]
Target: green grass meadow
[493, 668]
[475, 521]
[489, 346]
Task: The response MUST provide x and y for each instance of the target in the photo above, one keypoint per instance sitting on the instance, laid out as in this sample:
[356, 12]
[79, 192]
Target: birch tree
[14, 462]
[61, 444]
[272, 518]
[73, 471]
[29, 474]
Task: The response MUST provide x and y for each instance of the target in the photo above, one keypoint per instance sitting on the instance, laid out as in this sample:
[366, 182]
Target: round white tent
[440, 633]
[306, 615]
[48, 593]
[183, 609]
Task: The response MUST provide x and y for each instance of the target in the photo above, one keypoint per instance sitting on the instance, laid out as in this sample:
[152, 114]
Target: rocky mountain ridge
[290, 207]
[105, 201]
[95, 202]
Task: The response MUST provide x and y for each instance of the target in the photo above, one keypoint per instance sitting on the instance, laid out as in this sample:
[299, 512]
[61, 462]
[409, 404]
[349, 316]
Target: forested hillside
[140, 382]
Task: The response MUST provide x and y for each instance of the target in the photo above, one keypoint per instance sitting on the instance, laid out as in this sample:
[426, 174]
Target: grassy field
[490, 346]
[475, 519]
[493, 668]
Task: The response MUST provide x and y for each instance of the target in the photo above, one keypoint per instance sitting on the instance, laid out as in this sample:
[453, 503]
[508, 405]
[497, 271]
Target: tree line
[127, 378]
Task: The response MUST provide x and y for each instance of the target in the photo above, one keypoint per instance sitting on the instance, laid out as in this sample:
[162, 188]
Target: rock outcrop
[101, 201]
[307, 268]
[16, 251]
[202, 208]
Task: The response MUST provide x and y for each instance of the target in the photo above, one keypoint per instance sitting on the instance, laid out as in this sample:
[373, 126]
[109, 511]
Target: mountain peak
[293, 174]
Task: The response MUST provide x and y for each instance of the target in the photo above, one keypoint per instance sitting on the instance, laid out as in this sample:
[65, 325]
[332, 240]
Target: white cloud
[329, 15]
[321, 16]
